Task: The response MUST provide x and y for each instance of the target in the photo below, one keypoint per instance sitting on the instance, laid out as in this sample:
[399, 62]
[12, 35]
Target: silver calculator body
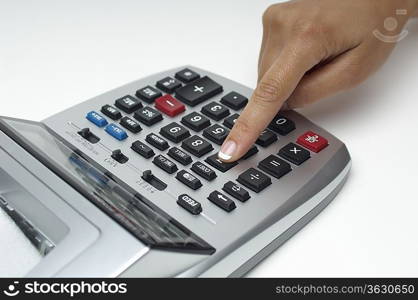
[92, 216]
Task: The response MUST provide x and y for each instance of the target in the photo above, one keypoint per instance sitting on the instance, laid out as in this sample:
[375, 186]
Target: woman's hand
[312, 49]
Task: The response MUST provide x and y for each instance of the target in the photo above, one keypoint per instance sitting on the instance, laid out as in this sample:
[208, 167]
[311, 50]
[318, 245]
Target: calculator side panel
[224, 231]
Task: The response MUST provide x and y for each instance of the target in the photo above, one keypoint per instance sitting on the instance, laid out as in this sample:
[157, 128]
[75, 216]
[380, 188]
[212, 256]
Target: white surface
[54, 54]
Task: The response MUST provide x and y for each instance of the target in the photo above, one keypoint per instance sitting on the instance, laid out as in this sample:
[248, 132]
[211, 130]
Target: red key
[169, 105]
[312, 141]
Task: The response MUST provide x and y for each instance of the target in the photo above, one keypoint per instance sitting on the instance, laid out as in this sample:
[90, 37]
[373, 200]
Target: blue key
[96, 119]
[115, 131]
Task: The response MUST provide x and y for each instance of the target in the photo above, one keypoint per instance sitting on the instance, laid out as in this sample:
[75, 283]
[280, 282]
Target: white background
[55, 54]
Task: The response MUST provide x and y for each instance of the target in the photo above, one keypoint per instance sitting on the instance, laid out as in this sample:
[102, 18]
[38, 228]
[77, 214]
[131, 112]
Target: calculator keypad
[192, 89]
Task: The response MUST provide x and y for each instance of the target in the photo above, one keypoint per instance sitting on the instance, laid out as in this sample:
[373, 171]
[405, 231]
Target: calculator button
[130, 124]
[148, 116]
[174, 132]
[148, 94]
[119, 156]
[179, 155]
[195, 121]
[117, 132]
[294, 153]
[215, 162]
[170, 106]
[266, 138]
[254, 180]
[312, 141]
[198, 91]
[282, 125]
[234, 100]
[203, 171]
[236, 191]
[165, 164]
[215, 111]
[197, 146]
[111, 112]
[275, 166]
[128, 104]
[157, 141]
[187, 75]
[96, 119]
[142, 149]
[188, 179]
[222, 201]
[189, 204]
[230, 121]
[216, 133]
[168, 84]
[253, 150]
[89, 136]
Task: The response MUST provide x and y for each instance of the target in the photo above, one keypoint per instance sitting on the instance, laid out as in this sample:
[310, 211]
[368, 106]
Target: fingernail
[227, 150]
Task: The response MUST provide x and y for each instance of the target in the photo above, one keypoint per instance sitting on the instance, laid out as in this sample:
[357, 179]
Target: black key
[119, 156]
[130, 124]
[189, 204]
[215, 162]
[198, 91]
[111, 112]
[195, 121]
[89, 136]
[165, 164]
[254, 180]
[230, 121]
[282, 125]
[266, 138]
[157, 141]
[148, 94]
[275, 166]
[187, 75]
[253, 150]
[168, 84]
[294, 153]
[222, 201]
[188, 179]
[234, 100]
[142, 149]
[236, 191]
[216, 133]
[179, 155]
[197, 146]
[128, 104]
[203, 171]
[148, 116]
[174, 132]
[215, 111]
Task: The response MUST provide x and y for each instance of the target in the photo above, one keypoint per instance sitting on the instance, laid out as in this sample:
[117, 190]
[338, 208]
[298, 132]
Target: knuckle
[267, 91]
[269, 13]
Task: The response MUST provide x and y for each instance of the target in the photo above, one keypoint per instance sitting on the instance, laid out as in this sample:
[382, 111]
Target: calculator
[129, 183]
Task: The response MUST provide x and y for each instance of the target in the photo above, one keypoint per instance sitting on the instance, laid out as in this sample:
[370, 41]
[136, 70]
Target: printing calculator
[129, 183]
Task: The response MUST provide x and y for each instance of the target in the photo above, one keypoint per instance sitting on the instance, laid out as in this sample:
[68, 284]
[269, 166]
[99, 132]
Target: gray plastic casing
[89, 243]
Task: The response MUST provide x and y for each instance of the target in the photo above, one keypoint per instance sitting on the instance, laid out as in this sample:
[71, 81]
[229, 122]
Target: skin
[313, 49]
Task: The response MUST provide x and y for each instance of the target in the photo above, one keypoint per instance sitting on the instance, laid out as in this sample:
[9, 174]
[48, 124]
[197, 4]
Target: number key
[215, 111]
[174, 132]
[195, 121]
[216, 133]
[197, 146]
